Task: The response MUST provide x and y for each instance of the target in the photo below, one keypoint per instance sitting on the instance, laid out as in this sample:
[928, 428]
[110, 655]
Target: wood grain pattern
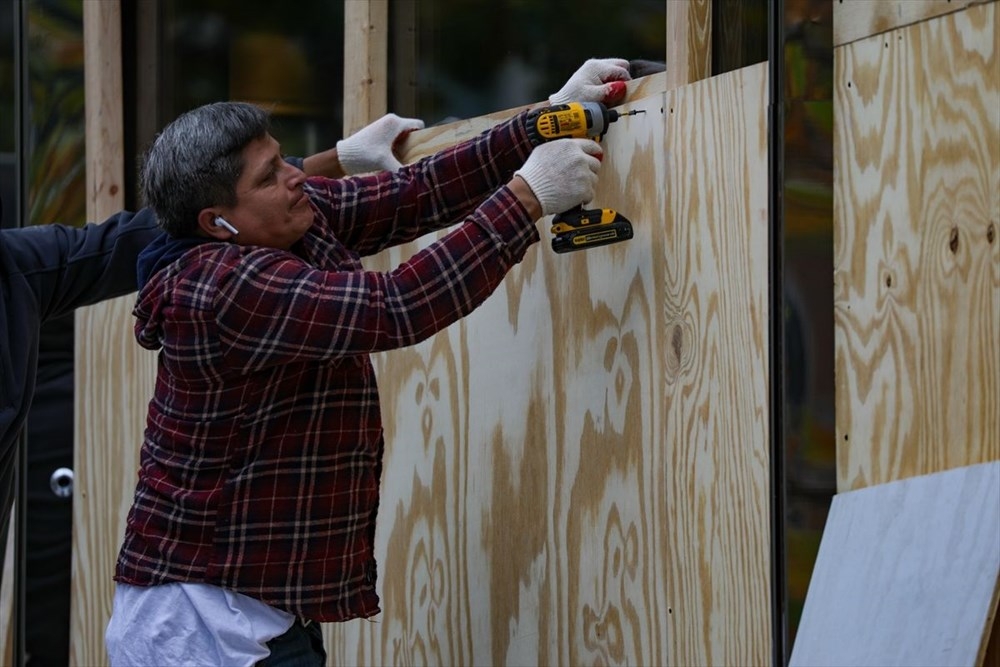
[113, 384]
[366, 48]
[917, 258]
[689, 41]
[103, 101]
[103, 449]
[576, 473]
[433, 139]
[716, 371]
[858, 19]
[907, 573]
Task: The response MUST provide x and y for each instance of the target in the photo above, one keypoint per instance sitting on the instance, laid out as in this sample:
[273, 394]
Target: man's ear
[213, 225]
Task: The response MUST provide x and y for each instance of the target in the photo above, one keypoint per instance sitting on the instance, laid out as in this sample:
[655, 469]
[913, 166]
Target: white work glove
[370, 148]
[562, 173]
[596, 81]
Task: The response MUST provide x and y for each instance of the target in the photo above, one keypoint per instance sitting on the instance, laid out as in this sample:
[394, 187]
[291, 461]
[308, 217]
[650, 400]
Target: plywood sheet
[916, 249]
[577, 472]
[715, 372]
[858, 19]
[907, 573]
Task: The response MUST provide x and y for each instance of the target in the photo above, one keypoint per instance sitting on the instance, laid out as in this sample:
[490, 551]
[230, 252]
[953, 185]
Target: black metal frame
[776, 244]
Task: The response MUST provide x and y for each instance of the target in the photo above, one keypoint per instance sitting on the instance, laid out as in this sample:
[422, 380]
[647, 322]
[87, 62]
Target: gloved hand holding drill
[562, 174]
[577, 113]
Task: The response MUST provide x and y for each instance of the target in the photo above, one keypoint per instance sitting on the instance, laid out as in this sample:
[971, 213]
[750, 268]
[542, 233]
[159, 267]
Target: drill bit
[615, 115]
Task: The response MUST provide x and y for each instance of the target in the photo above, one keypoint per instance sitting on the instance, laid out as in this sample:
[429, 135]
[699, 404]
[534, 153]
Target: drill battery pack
[581, 228]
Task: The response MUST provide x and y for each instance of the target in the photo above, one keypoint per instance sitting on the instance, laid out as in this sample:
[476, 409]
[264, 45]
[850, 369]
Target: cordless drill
[580, 228]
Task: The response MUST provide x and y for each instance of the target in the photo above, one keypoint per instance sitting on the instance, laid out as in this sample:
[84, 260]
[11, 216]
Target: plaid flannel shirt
[262, 454]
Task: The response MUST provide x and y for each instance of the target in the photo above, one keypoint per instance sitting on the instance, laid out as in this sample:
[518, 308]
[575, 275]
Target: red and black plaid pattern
[262, 454]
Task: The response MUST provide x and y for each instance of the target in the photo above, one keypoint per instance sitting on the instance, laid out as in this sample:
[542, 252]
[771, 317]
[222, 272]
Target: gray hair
[195, 161]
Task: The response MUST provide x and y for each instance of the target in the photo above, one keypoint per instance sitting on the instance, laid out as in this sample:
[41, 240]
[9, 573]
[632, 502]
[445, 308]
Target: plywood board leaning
[916, 249]
[907, 574]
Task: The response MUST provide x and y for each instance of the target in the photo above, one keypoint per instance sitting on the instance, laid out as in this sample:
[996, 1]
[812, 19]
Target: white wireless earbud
[222, 222]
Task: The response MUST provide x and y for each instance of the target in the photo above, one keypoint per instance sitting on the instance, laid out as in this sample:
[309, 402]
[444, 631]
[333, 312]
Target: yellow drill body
[580, 228]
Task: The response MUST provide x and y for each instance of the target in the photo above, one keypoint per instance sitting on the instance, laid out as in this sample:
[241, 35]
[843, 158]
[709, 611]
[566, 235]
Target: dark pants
[301, 646]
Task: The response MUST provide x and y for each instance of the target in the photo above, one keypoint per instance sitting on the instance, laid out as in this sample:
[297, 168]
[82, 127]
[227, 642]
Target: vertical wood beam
[103, 107]
[689, 41]
[727, 35]
[91, 590]
[366, 46]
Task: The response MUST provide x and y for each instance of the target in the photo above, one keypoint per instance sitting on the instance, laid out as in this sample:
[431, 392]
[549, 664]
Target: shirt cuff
[507, 222]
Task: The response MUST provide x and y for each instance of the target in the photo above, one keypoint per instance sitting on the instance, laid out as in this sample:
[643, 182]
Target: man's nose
[296, 177]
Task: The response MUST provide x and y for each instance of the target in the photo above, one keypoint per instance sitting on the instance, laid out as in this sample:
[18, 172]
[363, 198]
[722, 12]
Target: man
[254, 513]
[47, 271]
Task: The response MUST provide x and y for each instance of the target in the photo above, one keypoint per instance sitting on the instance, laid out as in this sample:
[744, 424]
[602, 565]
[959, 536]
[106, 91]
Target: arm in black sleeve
[67, 267]
[47, 271]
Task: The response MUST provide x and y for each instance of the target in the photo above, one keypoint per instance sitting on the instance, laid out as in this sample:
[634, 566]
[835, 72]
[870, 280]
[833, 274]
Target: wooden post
[689, 41]
[96, 459]
[103, 105]
[366, 24]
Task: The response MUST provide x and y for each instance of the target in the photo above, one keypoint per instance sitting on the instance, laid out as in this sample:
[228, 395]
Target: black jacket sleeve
[67, 267]
[47, 271]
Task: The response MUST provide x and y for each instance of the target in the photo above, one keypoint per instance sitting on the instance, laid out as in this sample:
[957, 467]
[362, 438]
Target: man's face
[271, 207]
